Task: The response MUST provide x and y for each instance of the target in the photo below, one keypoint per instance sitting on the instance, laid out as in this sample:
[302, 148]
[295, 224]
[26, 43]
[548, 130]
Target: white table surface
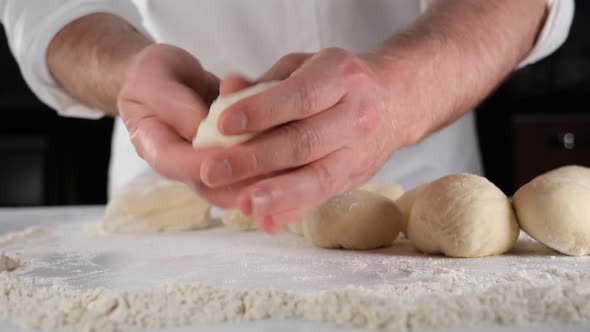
[282, 262]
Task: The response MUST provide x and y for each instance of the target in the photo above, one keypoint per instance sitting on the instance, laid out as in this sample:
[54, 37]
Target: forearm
[455, 55]
[89, 57]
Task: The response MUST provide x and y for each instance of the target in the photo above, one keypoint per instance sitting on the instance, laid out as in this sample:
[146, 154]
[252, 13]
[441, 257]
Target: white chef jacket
[248, 37]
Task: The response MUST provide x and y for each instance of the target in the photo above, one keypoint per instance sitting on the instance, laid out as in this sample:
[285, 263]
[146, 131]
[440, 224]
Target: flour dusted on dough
[8, 263]
[554, 209]
[55, 307]
[154, 204]
[357, 219]
[462, 215]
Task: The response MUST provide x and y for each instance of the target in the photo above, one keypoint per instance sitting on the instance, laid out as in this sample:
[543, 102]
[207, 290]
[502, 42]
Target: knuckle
[307, 99]
[305, 145]
[366, 119]
[254, 164]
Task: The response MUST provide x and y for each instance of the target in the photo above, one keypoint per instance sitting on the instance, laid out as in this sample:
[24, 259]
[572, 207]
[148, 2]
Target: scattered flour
[174, 305]
[28, 233]
[395, 289]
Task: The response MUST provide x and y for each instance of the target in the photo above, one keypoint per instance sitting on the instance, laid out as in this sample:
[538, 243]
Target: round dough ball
[234, 218]
[153, 204]
[405, 203]
[355, 220]
[554, 209]
[208, 133]
[390, 190]
[296, 227]
[462, 215]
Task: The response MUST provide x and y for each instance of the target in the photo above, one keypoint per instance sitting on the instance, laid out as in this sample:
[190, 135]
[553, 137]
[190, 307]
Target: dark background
[538, 120]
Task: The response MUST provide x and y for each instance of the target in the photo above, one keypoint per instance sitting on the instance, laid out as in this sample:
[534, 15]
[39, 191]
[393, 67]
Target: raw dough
[234, 218]
[355, 220]
[153, 204]
[296, 227]
[405, 203]
[208, 133]
[390, 190]
[462, 215]
[8, 263]
[554, 209]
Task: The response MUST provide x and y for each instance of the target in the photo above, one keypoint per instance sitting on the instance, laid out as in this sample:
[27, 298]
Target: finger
[289, 146]
[278, 222]
[168, 154]
[233, 83]
[301, 189]
[176, 105]
[314, 87]
[225, 196]
[283, 68]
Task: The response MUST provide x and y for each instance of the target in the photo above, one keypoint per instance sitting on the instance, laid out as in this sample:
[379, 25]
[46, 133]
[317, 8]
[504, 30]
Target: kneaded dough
[358, 219]
[405, 203]
[208, 133]
[392, 191]
[462, 215]
[153, 204]
[234, 218]
[554, 209]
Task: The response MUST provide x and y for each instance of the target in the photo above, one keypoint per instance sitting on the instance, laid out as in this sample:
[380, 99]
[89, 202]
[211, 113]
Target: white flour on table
[76, 278]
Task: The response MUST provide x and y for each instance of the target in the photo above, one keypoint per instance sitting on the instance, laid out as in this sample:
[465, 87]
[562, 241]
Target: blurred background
[537, 120]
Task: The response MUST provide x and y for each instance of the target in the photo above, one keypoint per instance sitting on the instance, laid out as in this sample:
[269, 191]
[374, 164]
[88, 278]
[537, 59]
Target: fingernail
[236, 123]
[219, 171]
[260, 202]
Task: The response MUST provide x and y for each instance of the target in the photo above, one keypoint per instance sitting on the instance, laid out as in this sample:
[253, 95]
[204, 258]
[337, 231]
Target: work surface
[66, 247]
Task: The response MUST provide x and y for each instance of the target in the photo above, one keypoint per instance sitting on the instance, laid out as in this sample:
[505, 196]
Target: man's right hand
[165, 95]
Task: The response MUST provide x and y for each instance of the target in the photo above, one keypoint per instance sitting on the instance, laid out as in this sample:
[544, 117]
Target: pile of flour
[174, 305]
[396, 289]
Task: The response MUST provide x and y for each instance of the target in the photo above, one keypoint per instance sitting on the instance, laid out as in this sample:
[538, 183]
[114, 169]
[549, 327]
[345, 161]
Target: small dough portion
[405, 204]
[554, 209]
[208, 133]
[234, 218]
[8, 263]
[462, 215]
[390, 190]
[358, 219]
[153, 204]
[296, 227]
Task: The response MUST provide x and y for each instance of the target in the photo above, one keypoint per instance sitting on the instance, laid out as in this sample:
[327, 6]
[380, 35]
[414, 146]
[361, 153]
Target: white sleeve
[560, 14]
[30, 26]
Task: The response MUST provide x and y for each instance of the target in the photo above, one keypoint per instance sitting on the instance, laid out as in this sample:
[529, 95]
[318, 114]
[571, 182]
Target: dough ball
[462, 215]
[554, 209]
[390, 190]
[234, 218]
[405, 203]
[208, 133]
[355, 220]
[153, 204]
[296, 228]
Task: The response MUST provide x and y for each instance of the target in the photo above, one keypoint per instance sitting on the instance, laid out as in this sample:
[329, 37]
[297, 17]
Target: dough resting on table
[234, 218]
[355, 220]
[554, 209]
[462, 215]
[392, 191]
[153, 204]
[405, 203]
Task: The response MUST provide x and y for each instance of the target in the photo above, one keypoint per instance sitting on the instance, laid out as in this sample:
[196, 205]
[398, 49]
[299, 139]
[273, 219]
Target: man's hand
[165, 95]
[326, 127]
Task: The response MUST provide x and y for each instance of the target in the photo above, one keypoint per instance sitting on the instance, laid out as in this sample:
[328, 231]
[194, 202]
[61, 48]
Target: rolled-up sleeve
[30, 26]
[560, 14]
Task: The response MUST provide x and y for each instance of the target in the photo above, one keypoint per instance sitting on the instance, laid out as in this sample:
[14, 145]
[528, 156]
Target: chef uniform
[248, 37]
